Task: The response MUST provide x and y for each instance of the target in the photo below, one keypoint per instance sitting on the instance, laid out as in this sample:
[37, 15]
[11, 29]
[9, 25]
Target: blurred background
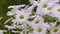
[4, 9]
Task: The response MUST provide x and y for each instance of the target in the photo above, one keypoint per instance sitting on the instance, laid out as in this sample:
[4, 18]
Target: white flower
[56, 12]
[14, 21]
[44, 8]
[21, 17]
[29, 10]
[10, 27]
[56, 8]
[56, 30]
[41, 29]
[10, 13]
[55, 1]
[36, 22]
[51, 25]
[44, 1]
[2, 31]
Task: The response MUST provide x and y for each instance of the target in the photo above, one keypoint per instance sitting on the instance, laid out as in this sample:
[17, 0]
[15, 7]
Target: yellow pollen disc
[21, 16]
[55, 29]
[58, 9]
[44, 5]
[36, 21]
[38, 1]
[39, 29]
[49, 8]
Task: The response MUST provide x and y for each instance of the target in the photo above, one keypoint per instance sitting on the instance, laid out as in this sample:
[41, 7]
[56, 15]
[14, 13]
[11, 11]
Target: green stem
[2, 27]
[9, 31]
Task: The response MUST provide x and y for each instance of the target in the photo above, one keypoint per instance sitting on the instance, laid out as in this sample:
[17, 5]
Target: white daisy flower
[10, 27]
[10, 13]
[36, 22]
[55, 30]
[44, 8]
[56, 8]
[14, 21]
[54, 1]
[2, 31]
[43, 1]
[51, 25]
[56, 12]
[21, 16]
[41, 29]
[38, 2]
[29, 10]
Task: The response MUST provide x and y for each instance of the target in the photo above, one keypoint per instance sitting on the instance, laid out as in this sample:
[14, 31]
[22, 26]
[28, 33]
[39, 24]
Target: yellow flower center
[36, 21]
[55, 29]
[44, 5]
[21, 16]
[38, 1]
[58, 9]
[49, 8]
[39, 29]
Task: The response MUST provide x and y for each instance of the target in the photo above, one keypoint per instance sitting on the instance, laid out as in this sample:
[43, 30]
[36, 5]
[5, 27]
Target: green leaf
[48, 32]
[58, 23]
[49, 18]
[30, 19]
[29, 28]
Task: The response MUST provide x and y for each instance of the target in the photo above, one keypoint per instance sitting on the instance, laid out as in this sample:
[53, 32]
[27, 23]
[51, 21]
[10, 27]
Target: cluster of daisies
[39, 17]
